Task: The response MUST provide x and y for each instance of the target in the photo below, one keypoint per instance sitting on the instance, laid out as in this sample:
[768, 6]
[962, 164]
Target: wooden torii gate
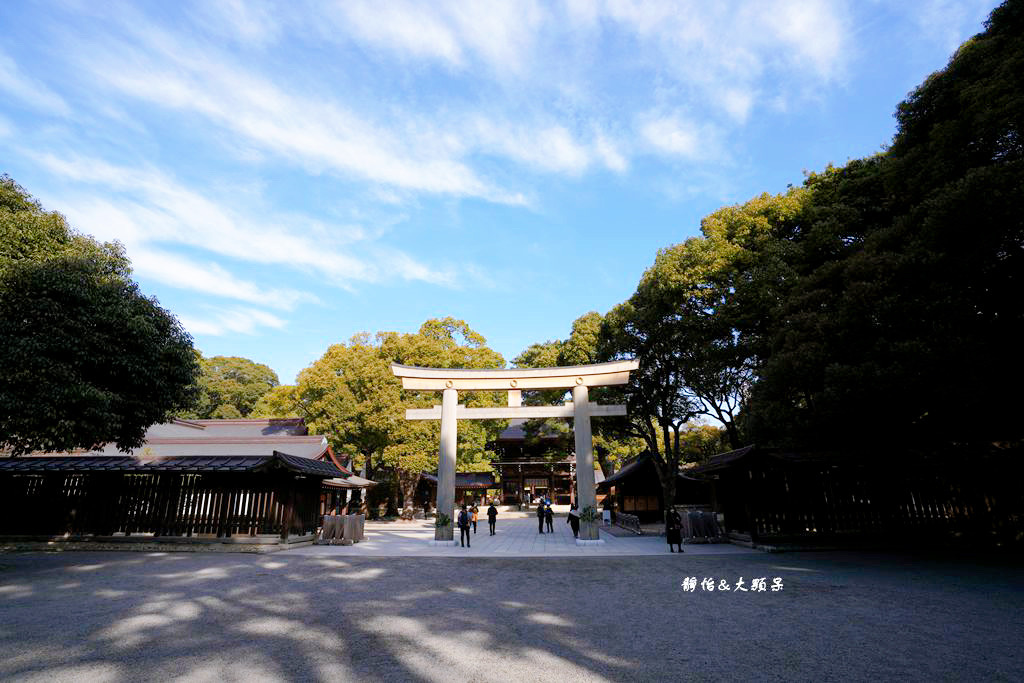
[579, 378]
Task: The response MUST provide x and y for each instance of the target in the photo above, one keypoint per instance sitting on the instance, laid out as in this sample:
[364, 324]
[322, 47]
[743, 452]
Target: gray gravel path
[840, 616]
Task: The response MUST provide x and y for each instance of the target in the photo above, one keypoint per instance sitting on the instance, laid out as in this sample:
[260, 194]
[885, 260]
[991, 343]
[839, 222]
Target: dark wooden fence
[163, 504]
[912, 499]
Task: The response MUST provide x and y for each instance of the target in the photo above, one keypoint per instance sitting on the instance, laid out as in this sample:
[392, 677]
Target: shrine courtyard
[340, 614]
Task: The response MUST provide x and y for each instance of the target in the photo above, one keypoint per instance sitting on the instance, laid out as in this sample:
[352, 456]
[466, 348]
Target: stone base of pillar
[447, 544]
[580, 541]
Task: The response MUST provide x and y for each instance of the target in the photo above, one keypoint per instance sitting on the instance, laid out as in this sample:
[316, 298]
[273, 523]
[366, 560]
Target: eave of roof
[179, 463]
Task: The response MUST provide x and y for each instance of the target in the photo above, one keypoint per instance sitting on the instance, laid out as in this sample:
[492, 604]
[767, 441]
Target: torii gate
[579, 378]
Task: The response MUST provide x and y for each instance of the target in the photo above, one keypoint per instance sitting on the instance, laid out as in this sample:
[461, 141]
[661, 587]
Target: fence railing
[629, 522]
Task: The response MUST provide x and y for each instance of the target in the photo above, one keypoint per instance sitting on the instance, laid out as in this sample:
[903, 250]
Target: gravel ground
[840, 616]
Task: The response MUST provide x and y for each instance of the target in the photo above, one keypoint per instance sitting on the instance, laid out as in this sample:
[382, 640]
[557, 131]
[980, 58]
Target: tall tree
[85, 358]
[351, 394]
[230, 387]
[908, 294]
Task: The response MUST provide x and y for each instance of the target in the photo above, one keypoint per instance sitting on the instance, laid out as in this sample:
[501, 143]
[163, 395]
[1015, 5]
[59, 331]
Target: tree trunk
[733, 434]
[408, 481]
[668, 493]
[602, 460]
[391, 504]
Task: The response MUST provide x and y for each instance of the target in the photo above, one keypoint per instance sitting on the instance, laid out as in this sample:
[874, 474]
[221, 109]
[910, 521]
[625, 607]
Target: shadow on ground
[121, 616]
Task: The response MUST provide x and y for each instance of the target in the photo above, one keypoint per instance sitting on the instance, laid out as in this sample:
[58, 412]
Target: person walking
[540, 518]
[464, 527]
[574, 520]
[476, 516]
[674, 530]
[492, 517]
[549, 518]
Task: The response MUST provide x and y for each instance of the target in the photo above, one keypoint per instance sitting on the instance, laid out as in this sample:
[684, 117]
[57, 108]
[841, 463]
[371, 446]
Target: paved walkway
[515, 537]
[107, 617]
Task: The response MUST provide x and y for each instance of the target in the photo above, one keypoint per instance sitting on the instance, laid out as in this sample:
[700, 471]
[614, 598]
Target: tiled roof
[627, 471]
[178, 463]
[466, 480]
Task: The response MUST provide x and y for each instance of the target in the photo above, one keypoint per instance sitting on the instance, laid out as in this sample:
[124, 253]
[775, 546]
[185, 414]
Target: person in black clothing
[549, 518]
[540, 518]
[492, 515]
[574, 520]
[464, 527]
[674, 530]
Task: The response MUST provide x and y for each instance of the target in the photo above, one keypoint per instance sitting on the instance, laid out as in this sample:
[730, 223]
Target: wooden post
[446, 465]
[287, 499]
[585, 493]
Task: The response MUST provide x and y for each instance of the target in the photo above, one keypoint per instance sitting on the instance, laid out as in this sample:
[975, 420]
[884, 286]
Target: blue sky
[284, 175]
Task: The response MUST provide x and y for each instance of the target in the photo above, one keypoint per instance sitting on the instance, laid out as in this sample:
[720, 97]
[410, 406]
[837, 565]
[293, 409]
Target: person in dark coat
[464, 527]
[540, 518]
[574, 520]
[549, 518]
[492, 516]
[674, 530]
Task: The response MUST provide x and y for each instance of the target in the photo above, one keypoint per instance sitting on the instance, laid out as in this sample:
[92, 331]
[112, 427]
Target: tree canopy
[230, 387]
[85, 358]
[351, 395]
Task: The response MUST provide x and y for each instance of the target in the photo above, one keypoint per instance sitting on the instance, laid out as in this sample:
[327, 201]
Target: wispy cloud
[153, 208]
[28, 90]
[221, 321]
[676, 136]
[210, 278]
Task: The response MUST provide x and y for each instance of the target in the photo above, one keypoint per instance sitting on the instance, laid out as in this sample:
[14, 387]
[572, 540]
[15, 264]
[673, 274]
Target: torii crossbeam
[579, 378]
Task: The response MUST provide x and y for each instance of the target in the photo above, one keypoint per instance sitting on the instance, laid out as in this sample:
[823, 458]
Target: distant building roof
[223, 438]
[627, 471]
[186, 463]
[466, 480]
[352, 482]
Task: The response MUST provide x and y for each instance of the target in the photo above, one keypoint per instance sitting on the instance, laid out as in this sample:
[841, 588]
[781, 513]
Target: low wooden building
[637, 490]
[469, 487]
[534, 467]
[224, 443]
[250, 498]
[773, 495]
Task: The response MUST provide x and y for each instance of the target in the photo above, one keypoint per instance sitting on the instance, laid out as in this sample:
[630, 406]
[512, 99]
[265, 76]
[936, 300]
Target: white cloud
[29, 90]
[947, 21]
[221, 321]
[249, 21]
[314, 131]
[610, 153]
[676, 136]
[210, 278]
[499, 35]
[154, 209]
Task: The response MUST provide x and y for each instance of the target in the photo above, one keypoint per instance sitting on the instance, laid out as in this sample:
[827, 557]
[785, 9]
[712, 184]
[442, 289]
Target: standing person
[674, 530]
[540, 518]
[492, 516]
[574, 520]
[476, 516]
[464, 527]
[549, 518]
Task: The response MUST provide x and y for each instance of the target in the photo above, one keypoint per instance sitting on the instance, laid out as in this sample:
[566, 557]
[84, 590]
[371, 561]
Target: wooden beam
[514, 412]
[497, 384]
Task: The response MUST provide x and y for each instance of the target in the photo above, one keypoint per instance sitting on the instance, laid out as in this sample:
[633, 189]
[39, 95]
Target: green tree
[611, 445]
[85, 358]
[351, 395]
[279, 402]
[230, 387]
[907, 296]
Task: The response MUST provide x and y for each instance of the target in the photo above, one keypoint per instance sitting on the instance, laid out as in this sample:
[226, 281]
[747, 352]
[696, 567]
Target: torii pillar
[578, 378]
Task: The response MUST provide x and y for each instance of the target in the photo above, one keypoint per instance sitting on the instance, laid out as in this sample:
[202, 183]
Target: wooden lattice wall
[163, 504]
[914, 499]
